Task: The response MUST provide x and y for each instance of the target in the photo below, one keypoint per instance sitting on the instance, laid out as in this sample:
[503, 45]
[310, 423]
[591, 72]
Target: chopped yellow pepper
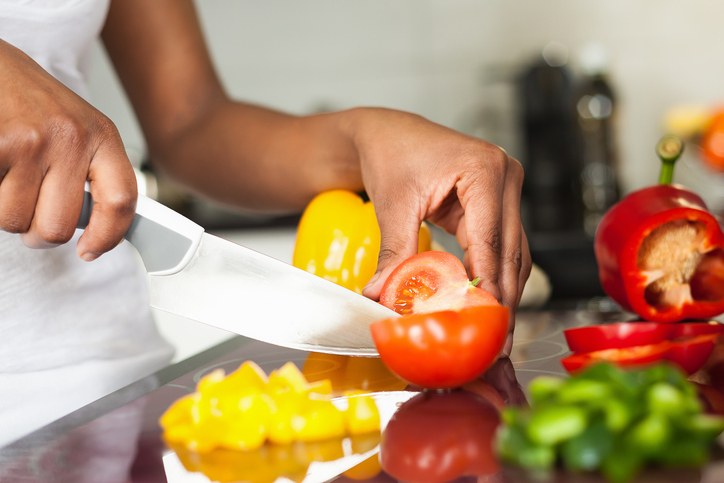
[362, 415]
[338, 238]
[245, 409]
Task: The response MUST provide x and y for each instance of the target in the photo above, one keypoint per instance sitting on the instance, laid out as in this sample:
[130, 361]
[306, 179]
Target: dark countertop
[117, 438]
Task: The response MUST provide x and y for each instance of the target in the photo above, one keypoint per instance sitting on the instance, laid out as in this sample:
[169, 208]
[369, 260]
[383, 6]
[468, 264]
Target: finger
[526, 267]
[449, 214]
[511, 251]
[60, 198]
[483, 222]
[114, 190]
[399, 230]
[18, 194]
[516, 255]
[57, 209]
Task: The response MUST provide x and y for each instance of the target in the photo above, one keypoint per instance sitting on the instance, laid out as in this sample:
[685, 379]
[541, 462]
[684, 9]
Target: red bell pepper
[691, 353]
[619, 335]
[637, 344]
[660, 252]
[688, 353]
[631, 357]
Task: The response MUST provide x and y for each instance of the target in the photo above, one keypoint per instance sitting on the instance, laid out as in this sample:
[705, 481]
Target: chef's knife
[217, 282]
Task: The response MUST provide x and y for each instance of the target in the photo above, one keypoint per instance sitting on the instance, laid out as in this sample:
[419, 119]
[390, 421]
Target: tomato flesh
[431, 282]
[445, 349]
[414, 288]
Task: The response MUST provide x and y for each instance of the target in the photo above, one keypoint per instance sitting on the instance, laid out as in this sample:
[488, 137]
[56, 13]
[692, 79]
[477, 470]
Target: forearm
[236, 153]
[253, 157]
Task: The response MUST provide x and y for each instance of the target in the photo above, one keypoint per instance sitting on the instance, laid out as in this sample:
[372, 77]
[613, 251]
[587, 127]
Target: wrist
[337, 160]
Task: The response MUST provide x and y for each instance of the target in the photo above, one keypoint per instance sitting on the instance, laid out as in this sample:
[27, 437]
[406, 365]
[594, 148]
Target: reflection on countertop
[123, 427]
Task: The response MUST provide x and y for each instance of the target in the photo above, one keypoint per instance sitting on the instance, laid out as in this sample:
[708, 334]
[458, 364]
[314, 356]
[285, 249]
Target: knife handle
[165, 239]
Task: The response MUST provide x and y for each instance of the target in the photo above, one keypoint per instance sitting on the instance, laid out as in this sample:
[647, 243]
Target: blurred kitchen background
[577, 90]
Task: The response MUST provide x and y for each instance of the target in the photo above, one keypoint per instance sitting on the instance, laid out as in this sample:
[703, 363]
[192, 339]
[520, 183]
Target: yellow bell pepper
[317, 420]
[287, 378]
[362, 415]
[338, 238]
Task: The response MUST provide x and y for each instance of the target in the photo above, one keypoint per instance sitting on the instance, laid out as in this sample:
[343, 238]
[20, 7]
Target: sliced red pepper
[631, 357]
[629, 334]
[689, 329]
[660, 253]
[616, 336]
[689, 353]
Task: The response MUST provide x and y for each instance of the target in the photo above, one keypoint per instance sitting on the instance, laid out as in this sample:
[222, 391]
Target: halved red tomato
[431, 282]
[629, 334]
[638, 356]
[441, 350]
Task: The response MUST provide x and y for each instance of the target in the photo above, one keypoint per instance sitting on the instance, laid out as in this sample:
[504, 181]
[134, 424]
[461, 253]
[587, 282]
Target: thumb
[399, 233]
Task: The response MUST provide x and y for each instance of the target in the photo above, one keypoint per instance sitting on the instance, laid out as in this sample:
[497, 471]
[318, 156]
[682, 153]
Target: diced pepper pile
[245, 409]
[610, 420]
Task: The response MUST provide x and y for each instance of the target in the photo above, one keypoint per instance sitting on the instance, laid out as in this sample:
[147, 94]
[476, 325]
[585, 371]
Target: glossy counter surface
[117, 439]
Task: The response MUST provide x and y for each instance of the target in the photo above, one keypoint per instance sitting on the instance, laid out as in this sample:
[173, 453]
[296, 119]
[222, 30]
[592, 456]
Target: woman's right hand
[51, 142]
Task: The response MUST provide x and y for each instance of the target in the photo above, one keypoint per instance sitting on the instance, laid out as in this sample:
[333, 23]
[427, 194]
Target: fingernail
[30, 240]
[89, 256]
[372, 281]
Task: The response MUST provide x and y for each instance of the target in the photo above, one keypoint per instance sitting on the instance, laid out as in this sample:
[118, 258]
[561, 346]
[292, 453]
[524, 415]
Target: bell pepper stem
[669, 148]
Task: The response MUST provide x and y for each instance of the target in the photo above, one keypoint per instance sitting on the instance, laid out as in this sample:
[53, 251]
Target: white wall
[439, 58]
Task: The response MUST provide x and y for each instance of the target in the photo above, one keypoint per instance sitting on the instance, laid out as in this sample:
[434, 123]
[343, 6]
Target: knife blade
[214, 281]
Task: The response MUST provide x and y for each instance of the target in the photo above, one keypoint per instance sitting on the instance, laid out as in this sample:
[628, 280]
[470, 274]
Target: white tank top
[63, 319]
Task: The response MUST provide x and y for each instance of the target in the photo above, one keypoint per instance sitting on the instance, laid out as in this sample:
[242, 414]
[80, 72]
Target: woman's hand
[415, 170]
[51, 142]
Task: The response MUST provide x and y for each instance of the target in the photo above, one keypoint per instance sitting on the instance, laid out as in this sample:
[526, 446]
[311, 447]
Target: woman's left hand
[415, 170]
